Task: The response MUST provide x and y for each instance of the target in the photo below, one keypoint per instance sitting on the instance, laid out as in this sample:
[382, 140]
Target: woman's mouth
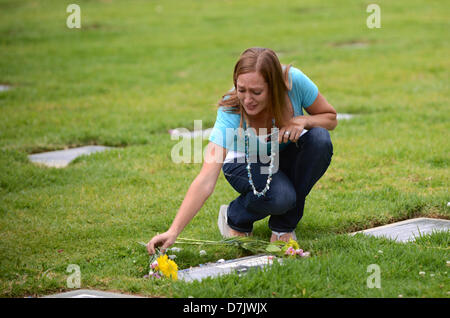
[251, 107]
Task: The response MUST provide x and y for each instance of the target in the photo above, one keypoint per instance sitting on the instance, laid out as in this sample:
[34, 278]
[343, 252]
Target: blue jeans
[301, 165]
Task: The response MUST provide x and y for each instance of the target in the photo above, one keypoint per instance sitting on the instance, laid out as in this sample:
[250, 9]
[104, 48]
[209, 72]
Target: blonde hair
[265, 62]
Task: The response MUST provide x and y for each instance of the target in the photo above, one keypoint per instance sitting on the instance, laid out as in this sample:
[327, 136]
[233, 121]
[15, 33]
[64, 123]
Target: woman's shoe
[224, 228]
[280, 234]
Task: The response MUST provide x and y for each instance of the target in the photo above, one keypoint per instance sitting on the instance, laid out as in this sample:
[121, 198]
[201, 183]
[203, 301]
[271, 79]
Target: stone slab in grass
[4, 88]
[409, 230]
[86, 293]
[344, 116]
[240, 266]
[61, 158]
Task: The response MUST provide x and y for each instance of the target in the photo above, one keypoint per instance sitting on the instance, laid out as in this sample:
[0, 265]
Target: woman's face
[253, 92]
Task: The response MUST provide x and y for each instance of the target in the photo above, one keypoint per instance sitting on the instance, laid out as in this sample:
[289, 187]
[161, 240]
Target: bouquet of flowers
[162, 266]
[255, 246]
[292, 249]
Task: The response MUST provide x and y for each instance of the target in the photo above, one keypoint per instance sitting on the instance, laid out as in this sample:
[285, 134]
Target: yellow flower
[293, 244]
[167, 267]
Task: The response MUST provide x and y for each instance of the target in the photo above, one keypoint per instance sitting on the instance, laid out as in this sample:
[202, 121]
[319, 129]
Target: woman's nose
[248, 100]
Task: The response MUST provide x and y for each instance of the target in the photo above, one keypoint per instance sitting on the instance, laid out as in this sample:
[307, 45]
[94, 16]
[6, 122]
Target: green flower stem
[196, 240]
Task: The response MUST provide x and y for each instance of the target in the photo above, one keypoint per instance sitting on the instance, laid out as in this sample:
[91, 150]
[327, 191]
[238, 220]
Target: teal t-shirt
[225, 131]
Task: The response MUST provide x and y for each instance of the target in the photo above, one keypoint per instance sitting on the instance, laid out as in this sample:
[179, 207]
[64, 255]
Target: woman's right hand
[163, 240]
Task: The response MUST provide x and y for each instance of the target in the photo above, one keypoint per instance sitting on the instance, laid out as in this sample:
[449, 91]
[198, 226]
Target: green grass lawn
[138, 68]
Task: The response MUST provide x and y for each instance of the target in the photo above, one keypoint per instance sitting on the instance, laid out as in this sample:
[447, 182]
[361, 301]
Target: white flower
[380, 251]
[172, 256]
[202, 253]
[422, 273]
[175, 249]
[221, 260]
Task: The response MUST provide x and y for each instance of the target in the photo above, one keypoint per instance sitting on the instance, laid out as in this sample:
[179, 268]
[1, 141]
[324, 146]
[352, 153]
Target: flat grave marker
[87, 293]
[344, 116]
[62, 158]
[239, 265]
[4, 88]
[408, 230]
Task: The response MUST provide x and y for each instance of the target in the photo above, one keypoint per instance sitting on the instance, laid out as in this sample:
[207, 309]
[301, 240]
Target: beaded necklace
[250, 179]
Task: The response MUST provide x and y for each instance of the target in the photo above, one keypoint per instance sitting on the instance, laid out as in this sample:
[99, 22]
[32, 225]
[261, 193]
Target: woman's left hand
[292, 130]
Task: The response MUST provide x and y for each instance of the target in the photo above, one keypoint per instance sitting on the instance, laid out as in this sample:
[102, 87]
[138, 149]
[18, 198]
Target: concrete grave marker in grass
[4, 87]
[409, 230]
[240, 266]
[344, 116]
[86, 293]
[61, 158]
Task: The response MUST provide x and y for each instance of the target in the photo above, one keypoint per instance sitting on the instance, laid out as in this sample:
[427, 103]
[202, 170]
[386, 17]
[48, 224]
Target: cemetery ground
[134, 71]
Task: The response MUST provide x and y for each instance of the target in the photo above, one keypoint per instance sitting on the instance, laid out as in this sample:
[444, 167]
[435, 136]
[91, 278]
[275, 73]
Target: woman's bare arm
[199, 191]
[321, 114]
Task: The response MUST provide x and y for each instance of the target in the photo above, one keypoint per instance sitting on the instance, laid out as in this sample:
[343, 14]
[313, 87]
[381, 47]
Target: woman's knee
[278, 200]
[319, 139]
